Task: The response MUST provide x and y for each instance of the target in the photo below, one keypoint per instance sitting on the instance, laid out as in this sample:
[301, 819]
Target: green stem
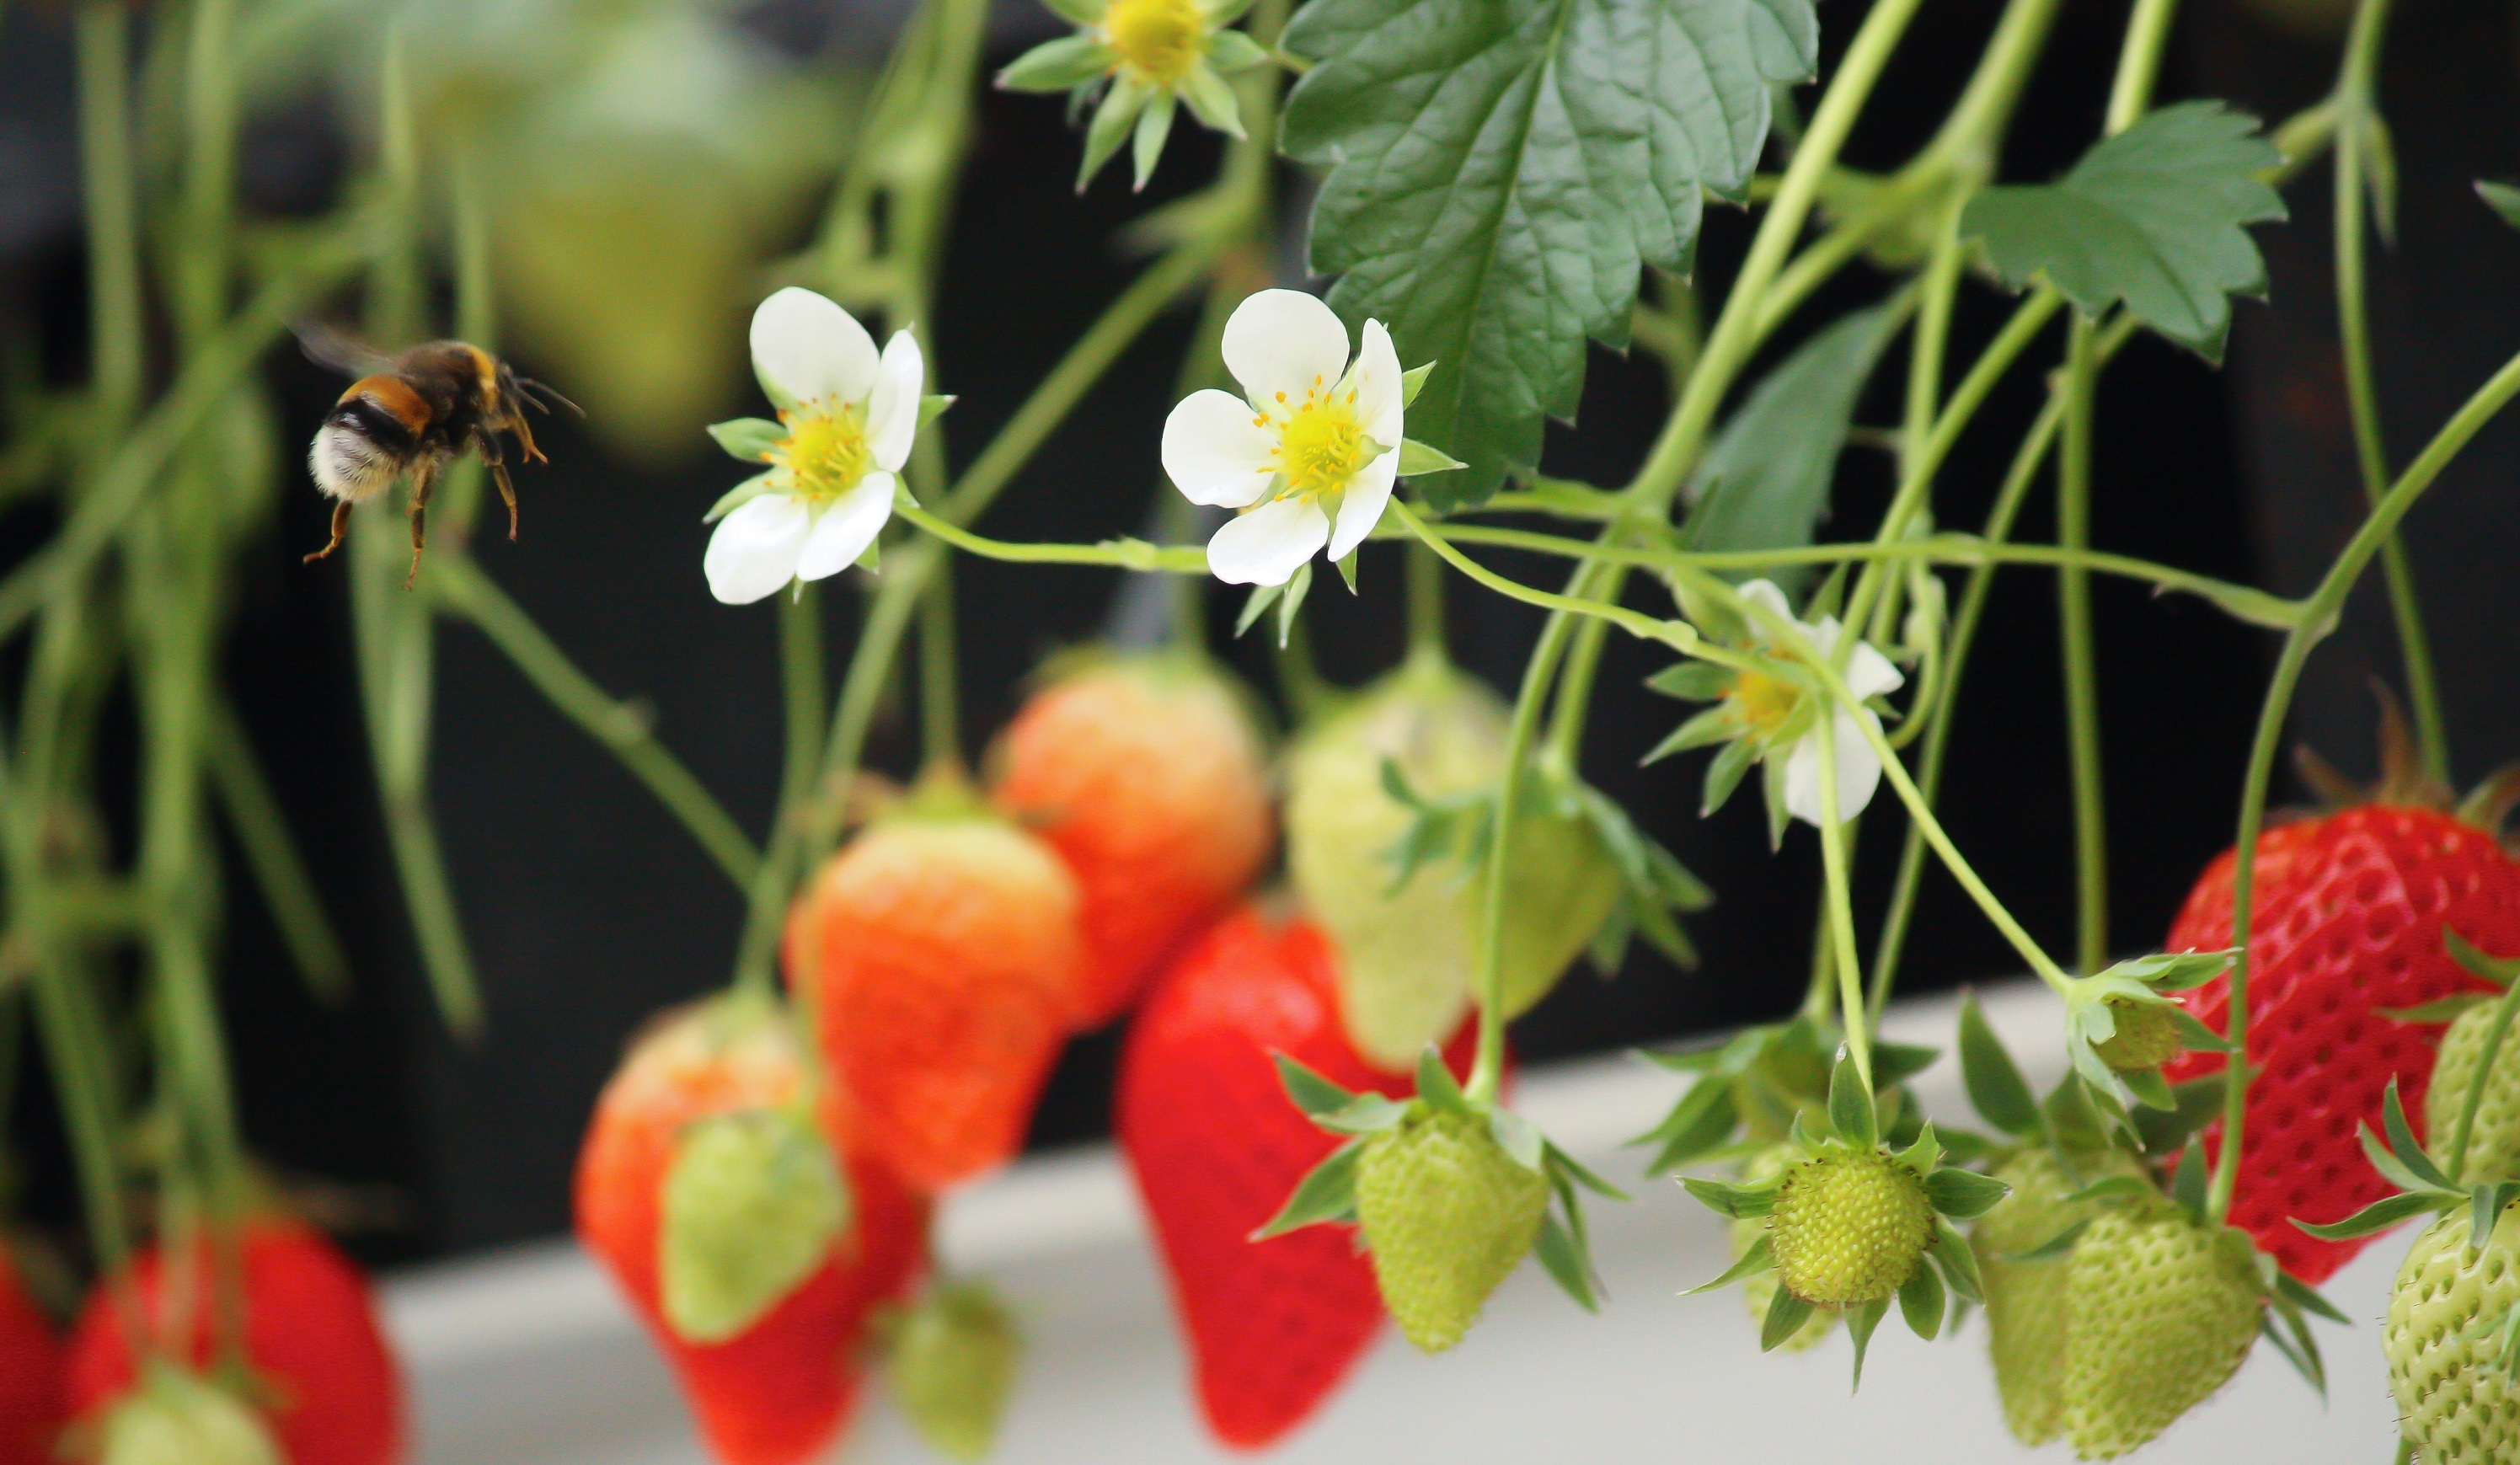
[200, 286]
[1487, 1070]
[1853, 1011]
[271, 852]
[2082, 683]
[111, 184]
[2324, 606]
[2356, 109]
[1968, 138]
[1565, 744]
[2147, 32]
[940, 722]
[625, 728]
[2473, 1100]
[1426, 602]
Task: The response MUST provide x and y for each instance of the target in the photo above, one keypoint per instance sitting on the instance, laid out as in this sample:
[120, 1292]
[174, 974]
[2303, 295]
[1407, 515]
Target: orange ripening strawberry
[778, 1392]
[1217, 1147]
[323, 1375]
[1146, 774]
[2346, 926]
[31, 1408]
[937, 952]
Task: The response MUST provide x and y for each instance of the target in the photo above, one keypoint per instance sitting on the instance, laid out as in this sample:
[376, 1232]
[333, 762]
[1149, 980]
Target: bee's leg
[525, 438]
[488, 443]
[341, 527]
[422, 480]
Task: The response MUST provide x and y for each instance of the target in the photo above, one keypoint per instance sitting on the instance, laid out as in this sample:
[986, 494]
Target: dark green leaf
[1995, 1084]
[2193, 1104]
[1787, 1314]
[1921, 1302]
[2376, 1217]
[1962, 1194]
[1502, 169]
[1327, 1193]
[1311, 1093]
[1764, 483]
[2155, 216]
[1562, 1257]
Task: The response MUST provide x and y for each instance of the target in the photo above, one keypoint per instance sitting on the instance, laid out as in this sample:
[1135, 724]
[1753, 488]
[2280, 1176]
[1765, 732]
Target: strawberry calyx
[951, 1358]
[2404, 781]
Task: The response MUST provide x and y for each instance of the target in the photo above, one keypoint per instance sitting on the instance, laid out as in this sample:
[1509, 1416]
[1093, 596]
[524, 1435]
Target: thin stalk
[460, 586]
[2324, 606]
[2355, 108]
[2140, 62]
[940, 720]
[111, 184]
[2474, 1099]
[1487, 1070]
[1426, 602]
[1852, 1009]
[271, 853]
[2081, 681]
[201, 292]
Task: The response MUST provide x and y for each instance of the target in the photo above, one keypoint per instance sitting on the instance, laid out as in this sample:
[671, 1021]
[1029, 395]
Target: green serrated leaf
[1764, 483]
[2155, 216]
[1328, 1192]
[1500, 170]
[1996, 1088]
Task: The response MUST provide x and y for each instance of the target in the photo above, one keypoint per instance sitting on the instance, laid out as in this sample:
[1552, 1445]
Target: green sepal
[1262, 597]
[1412, 382]
[749, 1208]
[1210, 100]
[1895, 1063]
[1996, 1088]
[1309, 1091]
[2114, 1188]
[1861, 1320]
[870, 560]
[2174, 971]
[1850, 1105]
[1963, 1194]
[2149, 1087]
[1693, 681]
[1712, 726]
[1566, 1166]
[1727, 1198]
[2440, 1011]
[1924, 1155]
[1562, 1258]
[2055, 1247]
[2485, 1210]
[1724, 774]
[1328, 1192]
[1231, 51]
[932, 406]
[2502, 198]
[737, 497]
[1760, 1258]
[2291, 1338]
[1772, 787]
[1071, 61]
[1110, 126]
[1703, 1120]
[1347, 568]
[1519, 1138]
[1951, 1249]
[1437, 1086]
[1291, 603]
[2292, 1291]
[1787, 1314]
[748, 439]
[2403, 1145]
[2379, 1215]
[2498, 971]
[1415, 457]
[1086, 13]
[2188, 1182]
[1921, 1302]
[1154, 126]
[2194, 1104]
[1368, 1113]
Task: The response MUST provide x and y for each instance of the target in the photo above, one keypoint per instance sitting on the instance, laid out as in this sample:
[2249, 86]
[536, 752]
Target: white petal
[1367, 495]
[1214, 451]
[754, 550]
[1266, 546]
[1283, 341]
[1377, 385]
[1859, 771]
[1869, 674]
[812, 349]
[893, 413]
[848, 527]
[1764, 594]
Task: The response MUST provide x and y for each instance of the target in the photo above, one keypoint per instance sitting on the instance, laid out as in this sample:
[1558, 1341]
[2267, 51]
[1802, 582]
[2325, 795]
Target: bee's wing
[328, 344]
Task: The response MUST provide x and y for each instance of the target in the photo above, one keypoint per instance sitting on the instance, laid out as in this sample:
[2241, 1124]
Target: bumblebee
[414, 413]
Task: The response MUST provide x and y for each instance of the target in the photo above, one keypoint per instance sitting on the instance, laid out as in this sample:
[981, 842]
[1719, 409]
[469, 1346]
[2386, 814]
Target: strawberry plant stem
[2357, 113]
[1426, 602]
[2319, 614]
[2140, 62]
[1840, 908]
[2082, 683]
[940, 720]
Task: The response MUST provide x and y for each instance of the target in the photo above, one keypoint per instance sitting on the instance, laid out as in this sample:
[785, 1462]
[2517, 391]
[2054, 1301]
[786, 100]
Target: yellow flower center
[824, 453]
[1321, 445]
[1761, 702]
[1157, 39]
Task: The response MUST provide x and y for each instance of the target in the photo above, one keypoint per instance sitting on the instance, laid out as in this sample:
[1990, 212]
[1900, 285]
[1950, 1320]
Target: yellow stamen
[1321, 445]
[1156, 40]
[1761, 702]
[825, 452]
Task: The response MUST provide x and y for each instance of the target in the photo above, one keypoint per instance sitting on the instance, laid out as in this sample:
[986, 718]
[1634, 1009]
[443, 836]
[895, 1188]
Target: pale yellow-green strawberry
[751, 1208]
[178, 1418]
[1850, 1225]
[2147, 1036]
[952, 1366]
[2494, 1144]
[2025, 1301]
[2454, 1401]
[1407, 955]
[1760, 1292]
[2160, 1309]
[1447, 1215]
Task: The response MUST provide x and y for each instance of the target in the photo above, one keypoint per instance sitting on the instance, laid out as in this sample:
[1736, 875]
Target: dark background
[588, 909]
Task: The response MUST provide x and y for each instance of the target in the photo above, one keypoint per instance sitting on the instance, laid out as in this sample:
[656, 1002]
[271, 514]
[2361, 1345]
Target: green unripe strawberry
[1448, 1215]
[2147, 1036]
[1759, 1292]
[749, 1211]
[2454, 1401]
[2025, 1301]
[2160, 1311]
[1849, 1226]
[2494, 1144]
[178, 1418]
[1407, 956]
[953, 1366]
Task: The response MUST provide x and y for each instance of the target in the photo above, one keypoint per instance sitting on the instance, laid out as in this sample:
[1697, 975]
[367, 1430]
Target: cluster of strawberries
[302, 1377]
[938, 961]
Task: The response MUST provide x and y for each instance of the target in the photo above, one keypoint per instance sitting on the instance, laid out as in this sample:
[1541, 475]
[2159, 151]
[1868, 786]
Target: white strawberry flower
[846, 418]
[1308, 452]
[1868, 673]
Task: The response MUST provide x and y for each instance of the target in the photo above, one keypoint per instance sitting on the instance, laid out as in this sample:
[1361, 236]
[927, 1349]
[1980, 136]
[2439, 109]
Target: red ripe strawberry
[778, 1392]
[31, 1375]
[937, 954]
[1146, 775]
[329, 1384]
[2347, 923]
[1274, 1325]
